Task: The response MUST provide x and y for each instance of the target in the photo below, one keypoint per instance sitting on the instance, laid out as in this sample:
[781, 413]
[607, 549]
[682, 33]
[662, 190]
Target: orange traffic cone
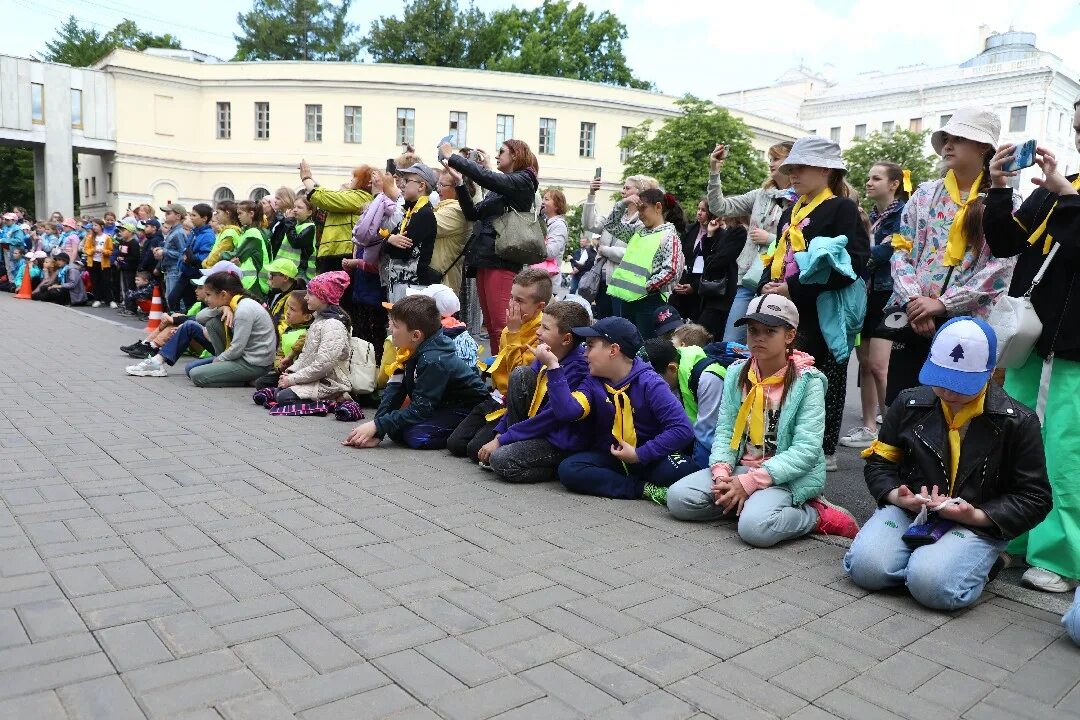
[25, 289]
[154, 322]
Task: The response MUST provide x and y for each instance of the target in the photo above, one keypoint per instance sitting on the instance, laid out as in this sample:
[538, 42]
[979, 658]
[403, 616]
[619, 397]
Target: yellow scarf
[623, 427]
[958, 242]
[232, 306]
[539, 393]
[752, 410]
[793, 234]
[400, 358]
[967, 413]
[421, 202]
[1034, 237]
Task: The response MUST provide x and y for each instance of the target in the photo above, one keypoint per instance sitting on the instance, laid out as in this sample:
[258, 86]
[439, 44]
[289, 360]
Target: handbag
[1016, 323]
[519, 236]
[589, 284]
[712, 289]
[362, 367]
[751, 279]
[895, 325]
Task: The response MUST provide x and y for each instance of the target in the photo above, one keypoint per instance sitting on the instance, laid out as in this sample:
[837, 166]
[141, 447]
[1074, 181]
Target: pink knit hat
[329, 287]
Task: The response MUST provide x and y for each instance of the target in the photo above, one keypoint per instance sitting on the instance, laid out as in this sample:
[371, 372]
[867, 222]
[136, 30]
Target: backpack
[362, 367]
[717, 353]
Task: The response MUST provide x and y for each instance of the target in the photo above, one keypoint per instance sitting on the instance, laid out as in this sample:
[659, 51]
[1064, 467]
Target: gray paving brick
[487, 700]
[186, 634]
[606, 675]
[247, 609]
[11, 630]
[41, 705]
[657, 705]
[321, 603]
[461, 661]
[83, 581]
[320, 648]
[330, 687]
[446, 615]
[105, 697]
[754, 690]
[273, 661]
[568, 688]
[260, 706]
[419, 676]
[49, 676]
[178, 671]
[201, 692]
[50, 618]
[133, 646]
[201, 591]
[61, 648]
[813, 677]
[542, 709]
[496, 636]
[378, 703]
[535, 651]
[386, 631]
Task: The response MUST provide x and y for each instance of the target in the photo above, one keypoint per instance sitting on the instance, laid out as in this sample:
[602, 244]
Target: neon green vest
[288, 252]
[229, 234]
[628, 281]
[251, 274]
[290, 337]
[690, 356]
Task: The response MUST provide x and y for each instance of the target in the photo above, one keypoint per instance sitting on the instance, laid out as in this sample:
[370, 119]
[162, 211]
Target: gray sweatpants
[525, 461]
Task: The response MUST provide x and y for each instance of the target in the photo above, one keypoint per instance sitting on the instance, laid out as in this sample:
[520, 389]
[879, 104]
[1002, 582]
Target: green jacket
[799, 462]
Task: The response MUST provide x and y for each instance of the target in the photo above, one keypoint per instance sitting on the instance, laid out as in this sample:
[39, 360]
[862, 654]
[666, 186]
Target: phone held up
[599, 172]
[1023, 156]
[391, 166]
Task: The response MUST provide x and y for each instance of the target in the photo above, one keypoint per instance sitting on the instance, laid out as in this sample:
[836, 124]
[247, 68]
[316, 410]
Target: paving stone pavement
[171, 552]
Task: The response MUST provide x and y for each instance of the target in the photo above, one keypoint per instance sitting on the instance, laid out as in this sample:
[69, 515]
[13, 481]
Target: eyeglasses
[412, 179]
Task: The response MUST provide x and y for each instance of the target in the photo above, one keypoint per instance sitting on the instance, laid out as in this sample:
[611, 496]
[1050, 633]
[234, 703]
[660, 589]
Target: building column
[53, 175]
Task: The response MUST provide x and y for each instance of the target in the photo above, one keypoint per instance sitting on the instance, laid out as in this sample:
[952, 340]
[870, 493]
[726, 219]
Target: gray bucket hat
[423, 172]
[814, 151]
[980, 124]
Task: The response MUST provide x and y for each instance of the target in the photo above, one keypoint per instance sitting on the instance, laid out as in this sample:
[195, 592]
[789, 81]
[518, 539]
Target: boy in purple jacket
[530, 441]
[642, 434]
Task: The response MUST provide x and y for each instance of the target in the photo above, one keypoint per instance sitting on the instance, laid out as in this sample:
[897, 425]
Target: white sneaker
[1047, 581]
[830, 463]
[879, 420]
[113, 305]
[860, 437]
[147, 368]
[96, 303]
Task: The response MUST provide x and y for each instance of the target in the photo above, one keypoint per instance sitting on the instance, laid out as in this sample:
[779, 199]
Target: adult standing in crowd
[582, 261]
[685, 295]
[343, 208]
[765, 206]
[553, 208]
[411, 244]
[453, 230]
[1050, 380]
[512, 187]
[725, 242]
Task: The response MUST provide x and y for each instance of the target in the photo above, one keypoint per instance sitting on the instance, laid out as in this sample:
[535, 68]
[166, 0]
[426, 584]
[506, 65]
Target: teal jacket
[840, 312]
[799, 462]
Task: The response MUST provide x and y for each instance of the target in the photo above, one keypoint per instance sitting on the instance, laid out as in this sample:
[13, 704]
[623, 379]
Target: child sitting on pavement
[529, 294]
[530, 441]
[440, 387]
[767, 464]
[143, 290]
[294, 323]
[642, 436]
[981, 454]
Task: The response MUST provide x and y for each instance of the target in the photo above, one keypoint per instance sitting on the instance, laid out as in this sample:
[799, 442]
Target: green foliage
[296, 30]
[573, 227]
[553, 39]
[904, 147]
[677, 154]
[81, 47]
[17, 182]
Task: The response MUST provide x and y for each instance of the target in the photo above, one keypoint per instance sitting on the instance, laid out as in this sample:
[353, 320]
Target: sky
[698, 46]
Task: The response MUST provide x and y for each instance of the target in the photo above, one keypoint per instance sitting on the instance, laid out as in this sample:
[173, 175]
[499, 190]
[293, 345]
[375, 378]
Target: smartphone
[1023, 156]
[927, 533]
[446, 139]
[599, 172]
[391, 166]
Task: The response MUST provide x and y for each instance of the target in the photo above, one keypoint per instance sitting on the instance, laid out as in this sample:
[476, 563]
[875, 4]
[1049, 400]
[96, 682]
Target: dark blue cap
[618, 331]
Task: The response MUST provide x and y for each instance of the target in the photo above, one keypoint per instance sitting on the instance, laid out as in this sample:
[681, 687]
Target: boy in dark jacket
[640, 428]
[441, 388]
[978, 451]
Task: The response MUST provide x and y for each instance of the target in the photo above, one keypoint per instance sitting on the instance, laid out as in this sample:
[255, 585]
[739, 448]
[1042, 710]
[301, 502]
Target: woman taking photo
[343, 208]
[513, 187]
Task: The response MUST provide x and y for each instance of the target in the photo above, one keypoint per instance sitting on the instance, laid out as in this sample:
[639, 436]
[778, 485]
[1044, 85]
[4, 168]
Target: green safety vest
[290, 337]
[628, 281]
[689, 357]
[220, 240]
[249, 272]
[289, 252]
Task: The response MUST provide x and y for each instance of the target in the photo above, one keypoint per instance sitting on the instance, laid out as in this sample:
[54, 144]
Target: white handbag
[362, 367]
[1016, 323]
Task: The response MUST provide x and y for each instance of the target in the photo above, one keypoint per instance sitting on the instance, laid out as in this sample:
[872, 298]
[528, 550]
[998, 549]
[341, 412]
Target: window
[458, 123]
[258, 194]
[37, 103]
[313, 123]
[586, 140]
[546, 144]
[86, 188]
[944, 120]
[76, 108]
[860, 132]
[834, 134]
[224, 120]
[1018, 118]
[624, 153]
[262, 121]
[888, 126]
[406, 125]
[93, 186]
[915, 124]
[504, 129]
[353, 123]
[222, 194]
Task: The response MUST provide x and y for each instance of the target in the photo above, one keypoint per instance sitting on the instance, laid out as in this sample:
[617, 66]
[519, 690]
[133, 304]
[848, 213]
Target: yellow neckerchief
[540, 392]
[225, 228]
[1034, 237]
[967, 413]
[793, 234]
[958, 242]
[400, 358]
[752, 410]
[526, 332]
[899, 242]
[890, 453]
[421, 202]
[232, 306]
[623, 426]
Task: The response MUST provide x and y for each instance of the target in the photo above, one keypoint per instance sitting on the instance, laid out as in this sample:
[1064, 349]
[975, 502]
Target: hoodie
[568, 436]
[147, 261]
[660, 423]
[200, 242]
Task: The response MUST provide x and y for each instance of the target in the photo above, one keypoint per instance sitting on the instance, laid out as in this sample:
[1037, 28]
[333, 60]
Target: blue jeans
[743, 296]
[946, 575]
[767, 518]
[599, 473]
[1071, 621]
[431, 434]
[184, 335]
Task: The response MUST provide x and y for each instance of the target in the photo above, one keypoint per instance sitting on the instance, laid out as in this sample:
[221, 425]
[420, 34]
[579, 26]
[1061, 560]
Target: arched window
[223, 193]
[259, 193]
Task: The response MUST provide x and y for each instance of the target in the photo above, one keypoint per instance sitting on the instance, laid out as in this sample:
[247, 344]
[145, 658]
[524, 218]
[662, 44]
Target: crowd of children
[638, 403]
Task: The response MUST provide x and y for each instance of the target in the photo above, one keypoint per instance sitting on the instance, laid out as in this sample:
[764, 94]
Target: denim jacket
[883, 225]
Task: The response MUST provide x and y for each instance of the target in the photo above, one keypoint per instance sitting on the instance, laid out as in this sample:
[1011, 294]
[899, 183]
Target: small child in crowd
[530, 441]
[98, 249]
[291, 328]
[767, 464]
[691, 334]
[170, 323]
[641, 431]
[666, 320]
[126, 241]
[440, 387]
[143, 290]
[993, 489]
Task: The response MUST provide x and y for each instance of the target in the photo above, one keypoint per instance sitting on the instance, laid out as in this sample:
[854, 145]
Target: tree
[903, 147]
[678, 153]
[296, 30]
[553, 39]
[128, 35]
[81, 47]
[17, 182]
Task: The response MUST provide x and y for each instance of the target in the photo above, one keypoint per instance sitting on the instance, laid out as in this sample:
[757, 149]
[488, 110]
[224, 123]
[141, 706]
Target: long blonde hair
[286, 198]
[644, 182]
[779, 151]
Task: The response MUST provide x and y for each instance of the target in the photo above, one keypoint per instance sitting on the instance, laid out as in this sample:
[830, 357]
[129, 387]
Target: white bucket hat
[814, 151]
[980, 124]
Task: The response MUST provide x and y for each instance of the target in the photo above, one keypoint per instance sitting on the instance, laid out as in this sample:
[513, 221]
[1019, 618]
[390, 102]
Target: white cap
[446, 300]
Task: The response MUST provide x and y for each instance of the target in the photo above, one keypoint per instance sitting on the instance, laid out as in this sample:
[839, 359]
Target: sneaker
[95, 304]
[656, 493]
[142, 351]
[878, 420]
[830, 463]
[1047, 581]
[129, 348]
[861, 437]
[147, 368]
[833, 519]
[485, 466]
